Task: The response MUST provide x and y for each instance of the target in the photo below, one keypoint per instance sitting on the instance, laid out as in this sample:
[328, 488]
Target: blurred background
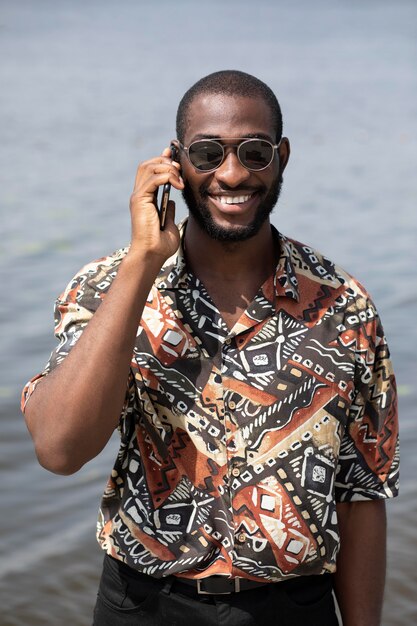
[89, 88]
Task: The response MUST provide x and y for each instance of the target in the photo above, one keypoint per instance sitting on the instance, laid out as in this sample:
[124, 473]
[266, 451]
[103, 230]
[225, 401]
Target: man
[251, 384]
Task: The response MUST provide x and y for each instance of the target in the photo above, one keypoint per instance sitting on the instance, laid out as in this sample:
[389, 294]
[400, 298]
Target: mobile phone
[165, 193]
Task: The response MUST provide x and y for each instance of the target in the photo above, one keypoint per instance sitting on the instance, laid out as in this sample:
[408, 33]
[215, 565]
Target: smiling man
[250, 381]
[241, 198]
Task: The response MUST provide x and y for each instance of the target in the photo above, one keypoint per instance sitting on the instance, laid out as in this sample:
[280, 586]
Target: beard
[200, 211]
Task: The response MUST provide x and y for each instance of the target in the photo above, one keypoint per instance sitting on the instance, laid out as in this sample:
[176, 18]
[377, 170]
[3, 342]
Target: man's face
[231, 203]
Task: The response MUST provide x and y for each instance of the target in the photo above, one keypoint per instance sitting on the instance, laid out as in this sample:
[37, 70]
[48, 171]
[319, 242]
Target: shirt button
[228, 342]
[232, 405]
[236, 472]
[241, 537]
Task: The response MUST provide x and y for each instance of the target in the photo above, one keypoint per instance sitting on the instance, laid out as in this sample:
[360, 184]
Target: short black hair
[229, 83]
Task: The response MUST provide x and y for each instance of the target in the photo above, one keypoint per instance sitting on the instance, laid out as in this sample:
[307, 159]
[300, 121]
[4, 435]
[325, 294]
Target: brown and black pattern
[236, 445]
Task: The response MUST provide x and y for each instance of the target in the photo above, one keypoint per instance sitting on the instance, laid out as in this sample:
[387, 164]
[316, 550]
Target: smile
[234, 199]
[242, 198]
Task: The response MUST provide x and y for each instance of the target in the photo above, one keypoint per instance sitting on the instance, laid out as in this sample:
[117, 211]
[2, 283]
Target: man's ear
[284, 153]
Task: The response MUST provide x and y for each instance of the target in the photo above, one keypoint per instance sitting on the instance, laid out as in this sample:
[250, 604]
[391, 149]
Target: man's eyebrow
[245, 136]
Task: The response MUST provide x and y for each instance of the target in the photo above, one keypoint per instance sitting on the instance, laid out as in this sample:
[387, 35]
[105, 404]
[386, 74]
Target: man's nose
[231, 172]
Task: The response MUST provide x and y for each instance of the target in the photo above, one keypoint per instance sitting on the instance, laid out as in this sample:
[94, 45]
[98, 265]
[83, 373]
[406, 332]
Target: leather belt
[219, 585]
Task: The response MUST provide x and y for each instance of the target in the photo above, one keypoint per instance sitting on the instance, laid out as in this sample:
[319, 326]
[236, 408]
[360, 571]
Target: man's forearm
[75, 409]
[361, 563]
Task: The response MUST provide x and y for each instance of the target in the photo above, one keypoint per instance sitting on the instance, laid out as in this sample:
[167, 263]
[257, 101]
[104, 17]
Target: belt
[219, 585]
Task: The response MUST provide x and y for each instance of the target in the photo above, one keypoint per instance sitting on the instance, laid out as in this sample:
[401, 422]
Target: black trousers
[128, 598]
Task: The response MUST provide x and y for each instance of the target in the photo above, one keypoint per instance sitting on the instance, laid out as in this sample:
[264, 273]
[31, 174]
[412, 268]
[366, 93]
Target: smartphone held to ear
[165, 193]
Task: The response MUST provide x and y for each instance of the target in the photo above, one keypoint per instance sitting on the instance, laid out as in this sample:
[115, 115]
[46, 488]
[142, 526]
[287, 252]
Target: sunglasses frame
[241, 140]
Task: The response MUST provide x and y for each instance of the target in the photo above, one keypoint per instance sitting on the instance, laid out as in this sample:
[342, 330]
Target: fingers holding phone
[152, 226]
[163, 207]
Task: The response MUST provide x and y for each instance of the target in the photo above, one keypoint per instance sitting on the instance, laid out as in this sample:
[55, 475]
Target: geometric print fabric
[237, 444]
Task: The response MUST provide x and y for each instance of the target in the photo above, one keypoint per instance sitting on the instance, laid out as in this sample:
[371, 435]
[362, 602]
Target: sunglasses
[206, 155]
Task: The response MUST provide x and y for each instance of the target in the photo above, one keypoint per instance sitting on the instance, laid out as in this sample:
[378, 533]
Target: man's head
[232, 201]
[229, 83]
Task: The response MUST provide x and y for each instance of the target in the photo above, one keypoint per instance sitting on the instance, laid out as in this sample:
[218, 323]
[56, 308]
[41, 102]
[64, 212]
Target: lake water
[88, 89]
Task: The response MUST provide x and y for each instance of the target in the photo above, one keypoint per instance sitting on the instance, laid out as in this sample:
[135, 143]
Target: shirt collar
[174, 273]
[285, 280]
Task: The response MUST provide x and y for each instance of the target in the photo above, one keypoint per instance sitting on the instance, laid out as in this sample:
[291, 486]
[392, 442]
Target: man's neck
[230, 261]
[231, 272]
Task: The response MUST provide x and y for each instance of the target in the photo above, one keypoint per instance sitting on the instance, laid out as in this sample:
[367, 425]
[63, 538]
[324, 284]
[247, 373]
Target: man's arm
[361, 563]
[74, 410]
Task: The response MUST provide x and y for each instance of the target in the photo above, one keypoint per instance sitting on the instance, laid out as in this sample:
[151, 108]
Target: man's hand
[147, 236]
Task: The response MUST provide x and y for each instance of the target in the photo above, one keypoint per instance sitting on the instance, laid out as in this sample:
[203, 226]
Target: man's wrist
[137, 257]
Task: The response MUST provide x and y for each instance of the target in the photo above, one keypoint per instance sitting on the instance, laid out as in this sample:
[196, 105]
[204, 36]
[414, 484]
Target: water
[90, 88]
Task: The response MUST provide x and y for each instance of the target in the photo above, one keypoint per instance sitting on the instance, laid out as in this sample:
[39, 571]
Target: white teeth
[233, 200]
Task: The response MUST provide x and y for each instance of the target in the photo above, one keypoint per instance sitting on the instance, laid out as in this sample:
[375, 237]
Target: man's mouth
[234, 199]
[243, 200]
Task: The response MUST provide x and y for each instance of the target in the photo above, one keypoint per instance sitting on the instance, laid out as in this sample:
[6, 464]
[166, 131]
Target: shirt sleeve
[73, 310]
[369, 454]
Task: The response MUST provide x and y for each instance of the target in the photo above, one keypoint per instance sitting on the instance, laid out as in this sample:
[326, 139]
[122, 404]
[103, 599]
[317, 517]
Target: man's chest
[265, 379]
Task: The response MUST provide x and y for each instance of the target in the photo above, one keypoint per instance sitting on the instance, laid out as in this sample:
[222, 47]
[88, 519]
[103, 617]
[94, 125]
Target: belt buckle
[201, 592]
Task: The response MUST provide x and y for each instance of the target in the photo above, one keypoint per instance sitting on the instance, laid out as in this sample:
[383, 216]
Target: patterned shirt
[237, 444]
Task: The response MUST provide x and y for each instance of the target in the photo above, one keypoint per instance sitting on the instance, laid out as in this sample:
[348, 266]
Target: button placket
[231, 429]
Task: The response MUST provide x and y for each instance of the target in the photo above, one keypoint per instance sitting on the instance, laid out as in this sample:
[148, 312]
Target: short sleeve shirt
[236, 445]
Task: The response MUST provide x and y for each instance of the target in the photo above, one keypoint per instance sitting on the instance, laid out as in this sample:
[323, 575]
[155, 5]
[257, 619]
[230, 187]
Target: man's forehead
[228, 115]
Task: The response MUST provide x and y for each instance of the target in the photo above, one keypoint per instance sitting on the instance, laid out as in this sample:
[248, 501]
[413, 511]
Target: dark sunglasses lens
[205, 155]
[256, 154]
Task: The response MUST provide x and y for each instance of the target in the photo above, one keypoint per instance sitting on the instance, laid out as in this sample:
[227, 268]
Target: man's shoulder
[103, 265]
[94, 279]
[311, 266]
[309, 263]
